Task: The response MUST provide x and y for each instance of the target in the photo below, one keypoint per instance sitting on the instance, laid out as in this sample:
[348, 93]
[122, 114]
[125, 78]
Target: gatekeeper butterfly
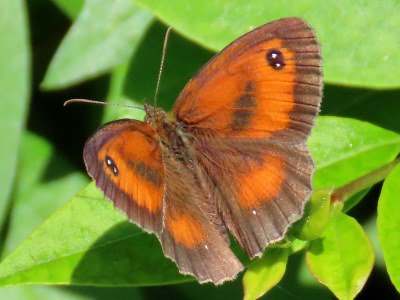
[232, 156]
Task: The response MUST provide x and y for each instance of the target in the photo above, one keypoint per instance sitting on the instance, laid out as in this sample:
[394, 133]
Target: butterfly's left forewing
[125, 160]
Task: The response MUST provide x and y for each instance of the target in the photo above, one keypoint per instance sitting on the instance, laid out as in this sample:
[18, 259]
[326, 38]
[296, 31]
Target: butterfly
[231, 158]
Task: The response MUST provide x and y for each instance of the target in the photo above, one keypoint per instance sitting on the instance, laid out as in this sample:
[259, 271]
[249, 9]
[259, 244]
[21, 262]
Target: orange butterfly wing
[124, 159]
[250, 111]
[145, 180]
[266, 84]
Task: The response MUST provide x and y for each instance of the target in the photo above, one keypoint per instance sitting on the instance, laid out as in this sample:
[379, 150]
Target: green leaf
[44, 182]
[342, 258]
[105, 35]
[68, 293]
[264, 273]
[70, 7]
[373, 62]
[88, 242]
[339, 144]
[297, 245]
[389, 224]
[14, 90]
[316, 216]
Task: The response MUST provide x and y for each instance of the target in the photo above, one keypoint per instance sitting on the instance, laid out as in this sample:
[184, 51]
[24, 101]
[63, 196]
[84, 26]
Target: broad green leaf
[342, 258]
[104, 35]
[14, 90]
[360, 46]
[45, 181]
[38, 293]
[88, 242]
[298, 283]
[68, 293]
[264, 273]
[389, 224]
[340, 144]
[316, 216]
[70, 7]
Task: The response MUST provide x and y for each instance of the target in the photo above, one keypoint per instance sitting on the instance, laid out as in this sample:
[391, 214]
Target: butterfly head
[154, 115]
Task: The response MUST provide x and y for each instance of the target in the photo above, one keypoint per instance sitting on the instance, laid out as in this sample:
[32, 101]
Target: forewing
[266, 84]
[124, 159]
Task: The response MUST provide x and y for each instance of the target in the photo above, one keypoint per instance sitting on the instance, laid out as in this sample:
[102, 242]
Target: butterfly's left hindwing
[194, 235]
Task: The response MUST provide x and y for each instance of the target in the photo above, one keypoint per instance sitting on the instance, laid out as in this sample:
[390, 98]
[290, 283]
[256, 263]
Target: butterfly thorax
[172, 136]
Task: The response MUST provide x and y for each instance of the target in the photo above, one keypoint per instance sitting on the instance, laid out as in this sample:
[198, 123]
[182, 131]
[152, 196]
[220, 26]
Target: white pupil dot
[274, 55]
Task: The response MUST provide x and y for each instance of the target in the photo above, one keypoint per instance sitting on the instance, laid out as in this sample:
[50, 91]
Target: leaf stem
[346, 191]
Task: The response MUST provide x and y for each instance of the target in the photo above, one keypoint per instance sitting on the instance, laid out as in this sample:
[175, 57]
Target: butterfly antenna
[71, 101]
[161, 64]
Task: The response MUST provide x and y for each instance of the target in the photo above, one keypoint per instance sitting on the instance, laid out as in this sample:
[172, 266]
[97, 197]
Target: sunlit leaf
[104, 36]
[359, 45]
[264, 273]
[45, 181]
[342, 258]
[389, 224]
[340, 144]
[88, 242]
[14, 90]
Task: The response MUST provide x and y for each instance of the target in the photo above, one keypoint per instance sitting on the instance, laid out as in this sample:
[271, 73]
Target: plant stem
[346, 191]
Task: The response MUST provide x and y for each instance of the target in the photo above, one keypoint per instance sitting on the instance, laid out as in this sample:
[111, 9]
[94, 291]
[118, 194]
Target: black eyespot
[275, 59]
[111, 165]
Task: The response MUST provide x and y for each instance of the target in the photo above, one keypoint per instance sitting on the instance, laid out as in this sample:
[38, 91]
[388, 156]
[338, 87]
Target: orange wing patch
[135, 168]
[186, 230]
[250, 191]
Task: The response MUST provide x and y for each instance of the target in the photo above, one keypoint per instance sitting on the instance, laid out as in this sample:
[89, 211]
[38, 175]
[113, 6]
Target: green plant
[86, 242]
